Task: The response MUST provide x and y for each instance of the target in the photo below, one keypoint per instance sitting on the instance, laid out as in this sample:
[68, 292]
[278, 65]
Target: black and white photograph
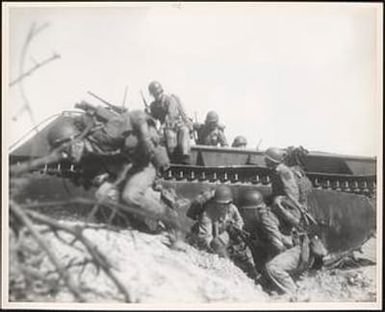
[192, 155]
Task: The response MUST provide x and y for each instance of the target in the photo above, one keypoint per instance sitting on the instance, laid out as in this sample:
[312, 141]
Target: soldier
[174, 121]
[239, 142]
[263, 224]
[214, 232]
[211, 132]
[126, 144]
[290, 190]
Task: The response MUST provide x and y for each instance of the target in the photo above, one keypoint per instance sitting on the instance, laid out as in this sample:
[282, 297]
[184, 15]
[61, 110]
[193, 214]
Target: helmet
[239, 141]
[155, 88]
[274, 154]
[223, 195]
[63, 130]
[212, 117]
[251, 198]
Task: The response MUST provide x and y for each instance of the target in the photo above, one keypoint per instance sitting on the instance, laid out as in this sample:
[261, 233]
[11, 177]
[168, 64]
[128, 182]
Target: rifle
[146, 106]
[117, 109]
[307, 215]
[245, 236]
[124, 98]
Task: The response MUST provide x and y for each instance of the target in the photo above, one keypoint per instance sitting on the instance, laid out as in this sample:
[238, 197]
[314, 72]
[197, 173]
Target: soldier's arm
[148, 136]
[287, 241]
[289, 184]
[205, 230]
[291, 218]
[270, 226]
[222, 138]
[236, 216]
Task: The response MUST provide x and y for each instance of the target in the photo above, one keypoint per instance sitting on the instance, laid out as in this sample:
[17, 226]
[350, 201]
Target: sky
[279, 74]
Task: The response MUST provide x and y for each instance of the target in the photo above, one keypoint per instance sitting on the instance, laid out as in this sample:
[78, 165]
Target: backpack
[305, 186]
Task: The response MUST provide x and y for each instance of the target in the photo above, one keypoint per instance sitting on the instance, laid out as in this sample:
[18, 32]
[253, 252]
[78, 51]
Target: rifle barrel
[100, 99]
[112, 106]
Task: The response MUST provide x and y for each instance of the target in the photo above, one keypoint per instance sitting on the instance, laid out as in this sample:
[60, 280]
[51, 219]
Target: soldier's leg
[184, 140]
[171, 141]
[280, 268]
[243, 258]
[137, 190]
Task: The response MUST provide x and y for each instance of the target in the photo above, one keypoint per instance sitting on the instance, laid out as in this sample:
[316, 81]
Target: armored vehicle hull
[343, 200]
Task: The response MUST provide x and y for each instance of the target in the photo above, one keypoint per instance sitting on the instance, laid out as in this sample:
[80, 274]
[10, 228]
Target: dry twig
[22, 216]
[29, 72]
[98, 258]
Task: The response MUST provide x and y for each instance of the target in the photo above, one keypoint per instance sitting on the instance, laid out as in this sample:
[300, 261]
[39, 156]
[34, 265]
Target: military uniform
[294, 262]
[208, 135]
[290, 190]
[129, 139]
[269, 232]
[285, 191]
[167, 109]
[213, 224]
[266, 239]
[212, 232]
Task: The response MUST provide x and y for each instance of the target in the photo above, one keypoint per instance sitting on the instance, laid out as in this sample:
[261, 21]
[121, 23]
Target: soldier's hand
[218, 247]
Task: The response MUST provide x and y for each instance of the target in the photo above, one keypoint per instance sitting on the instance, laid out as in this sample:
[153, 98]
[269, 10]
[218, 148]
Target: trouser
[281, 268]
[178, 143]
[184, 140]
[138, 191]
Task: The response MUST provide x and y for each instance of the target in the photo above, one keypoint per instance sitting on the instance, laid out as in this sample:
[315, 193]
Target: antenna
[124, 97]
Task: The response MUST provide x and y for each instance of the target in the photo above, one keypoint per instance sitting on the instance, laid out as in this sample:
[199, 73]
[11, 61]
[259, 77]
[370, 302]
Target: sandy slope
[154, 273]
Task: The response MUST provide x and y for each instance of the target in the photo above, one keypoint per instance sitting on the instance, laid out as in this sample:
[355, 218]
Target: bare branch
[31, 34]
[172, 221]
[97, 256]
[21, 215]
[34, 68]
